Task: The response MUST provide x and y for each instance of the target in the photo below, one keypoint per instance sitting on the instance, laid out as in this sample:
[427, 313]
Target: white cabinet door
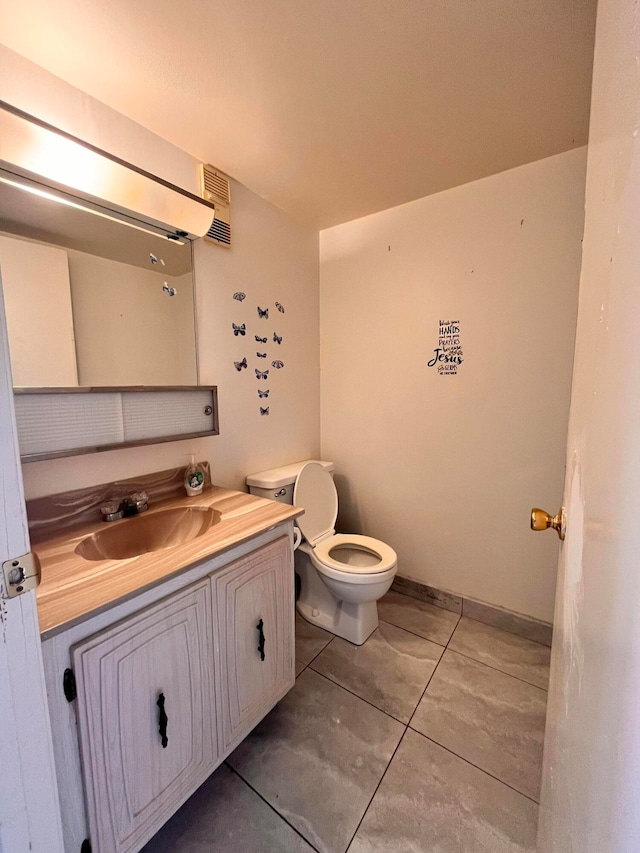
[254, 625]
[135, 775]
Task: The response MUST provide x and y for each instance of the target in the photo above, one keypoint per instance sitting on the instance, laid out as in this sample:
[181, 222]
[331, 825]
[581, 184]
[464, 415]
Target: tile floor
[428, 737]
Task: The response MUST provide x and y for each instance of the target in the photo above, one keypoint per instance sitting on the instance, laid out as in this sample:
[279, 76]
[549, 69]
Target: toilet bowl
[341, 575]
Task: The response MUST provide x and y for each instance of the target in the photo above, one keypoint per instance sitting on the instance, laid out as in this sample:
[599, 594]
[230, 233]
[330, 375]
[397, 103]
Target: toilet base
[353, 621]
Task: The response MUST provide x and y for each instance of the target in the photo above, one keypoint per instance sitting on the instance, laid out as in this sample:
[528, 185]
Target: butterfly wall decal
[263, 313]
[261, 354]
[261, 374]
[239, 330]
[280, 307]
[240, 364]
[277, 338]
[263, 393]
[260, 340]
[239, 296]
[264, 411]
[277, 364]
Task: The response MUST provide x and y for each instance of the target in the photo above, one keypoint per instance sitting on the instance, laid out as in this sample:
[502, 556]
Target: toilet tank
[277, 483]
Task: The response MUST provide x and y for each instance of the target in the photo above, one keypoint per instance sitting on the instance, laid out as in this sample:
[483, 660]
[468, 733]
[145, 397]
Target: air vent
[216, 188]
[220, 231]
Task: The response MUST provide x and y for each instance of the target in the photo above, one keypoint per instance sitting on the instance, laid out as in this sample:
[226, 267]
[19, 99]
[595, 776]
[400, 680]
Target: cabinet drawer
[254, 626]
[134, 782]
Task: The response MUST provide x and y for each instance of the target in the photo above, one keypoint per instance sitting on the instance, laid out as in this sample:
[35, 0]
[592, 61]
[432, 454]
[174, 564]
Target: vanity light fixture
[39, 158]
[59, 197]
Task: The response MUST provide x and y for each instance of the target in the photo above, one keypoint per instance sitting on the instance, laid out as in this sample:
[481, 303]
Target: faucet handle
[140, 500]
[111, 510]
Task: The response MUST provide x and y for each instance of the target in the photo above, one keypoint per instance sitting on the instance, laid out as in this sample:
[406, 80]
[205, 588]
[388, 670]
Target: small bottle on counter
[193, 477]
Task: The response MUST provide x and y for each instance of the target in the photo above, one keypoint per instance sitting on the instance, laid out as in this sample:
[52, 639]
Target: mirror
[91, 301]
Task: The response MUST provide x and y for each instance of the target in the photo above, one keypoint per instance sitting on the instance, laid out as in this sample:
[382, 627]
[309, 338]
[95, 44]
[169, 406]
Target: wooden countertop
[73, 587]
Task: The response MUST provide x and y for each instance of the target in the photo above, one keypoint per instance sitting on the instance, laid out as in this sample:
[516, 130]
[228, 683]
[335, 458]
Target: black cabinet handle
[259, 628]
[162, 721]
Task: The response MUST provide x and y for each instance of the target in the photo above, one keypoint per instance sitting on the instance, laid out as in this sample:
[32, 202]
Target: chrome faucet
[114, 509]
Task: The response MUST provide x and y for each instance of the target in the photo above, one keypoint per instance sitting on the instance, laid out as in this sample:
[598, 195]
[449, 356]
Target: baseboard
[430, 594]
[498, 617]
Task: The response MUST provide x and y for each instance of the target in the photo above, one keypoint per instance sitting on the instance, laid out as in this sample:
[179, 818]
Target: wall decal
[447, 356]
[170, 290]
[240, 330]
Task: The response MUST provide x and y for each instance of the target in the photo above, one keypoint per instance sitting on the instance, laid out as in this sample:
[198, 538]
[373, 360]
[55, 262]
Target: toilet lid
[316, 493]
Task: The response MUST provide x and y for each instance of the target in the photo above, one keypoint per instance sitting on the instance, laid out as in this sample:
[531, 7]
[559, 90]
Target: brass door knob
[541, 520]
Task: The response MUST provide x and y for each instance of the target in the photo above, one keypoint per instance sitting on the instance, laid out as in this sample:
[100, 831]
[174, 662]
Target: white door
[29, 810]
[591, 778]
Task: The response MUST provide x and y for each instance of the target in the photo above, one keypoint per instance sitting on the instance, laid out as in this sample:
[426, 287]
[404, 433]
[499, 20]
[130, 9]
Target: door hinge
[69, 685]
[20, 574]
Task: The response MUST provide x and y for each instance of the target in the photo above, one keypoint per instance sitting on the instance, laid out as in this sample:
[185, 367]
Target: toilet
[342, 575]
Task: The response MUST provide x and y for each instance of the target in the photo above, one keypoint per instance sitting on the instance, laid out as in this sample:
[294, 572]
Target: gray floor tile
[317, 758]
[432, 623]
[310, 640]
[299, 667]
[514, 655]
[226, 816]
[491, 719]
[431, 800]
[390, 670]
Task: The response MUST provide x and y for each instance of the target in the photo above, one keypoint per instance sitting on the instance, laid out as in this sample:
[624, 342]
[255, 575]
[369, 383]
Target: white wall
[446, 468]
[271, 261]
[272, 258]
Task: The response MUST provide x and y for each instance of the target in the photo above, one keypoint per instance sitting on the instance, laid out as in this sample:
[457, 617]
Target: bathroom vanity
[157, 666]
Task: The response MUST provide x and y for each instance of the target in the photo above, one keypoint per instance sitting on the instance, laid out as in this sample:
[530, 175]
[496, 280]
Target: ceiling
[330, 109]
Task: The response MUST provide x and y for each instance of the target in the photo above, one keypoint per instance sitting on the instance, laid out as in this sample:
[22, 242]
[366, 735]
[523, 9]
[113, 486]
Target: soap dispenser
[193, 477]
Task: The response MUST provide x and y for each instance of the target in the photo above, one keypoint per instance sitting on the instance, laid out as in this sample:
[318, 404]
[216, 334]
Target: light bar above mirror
[39, 158]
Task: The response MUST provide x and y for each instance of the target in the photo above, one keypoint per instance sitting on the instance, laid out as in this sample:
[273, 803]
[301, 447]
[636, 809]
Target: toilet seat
[386, 556]
[354, 580]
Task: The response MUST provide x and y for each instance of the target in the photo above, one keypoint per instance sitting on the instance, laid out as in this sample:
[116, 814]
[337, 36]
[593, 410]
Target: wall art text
[447, 356]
